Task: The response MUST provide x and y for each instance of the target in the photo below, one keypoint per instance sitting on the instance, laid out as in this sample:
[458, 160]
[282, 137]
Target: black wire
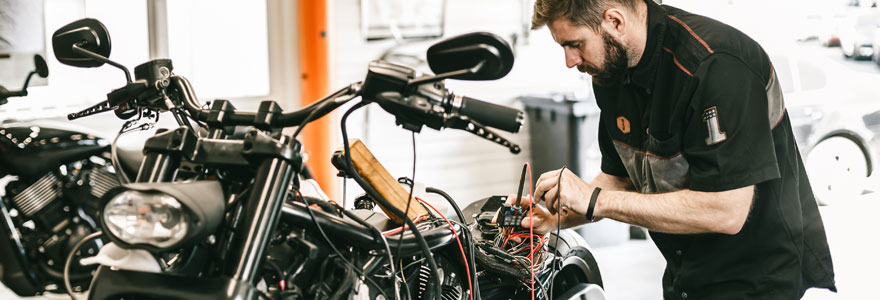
[311, 115]
[558, 227]
[468, 239]
[332, 246]
[344, 190]
[70, 256]
[420, 240]
[381, 237]
[411, 188]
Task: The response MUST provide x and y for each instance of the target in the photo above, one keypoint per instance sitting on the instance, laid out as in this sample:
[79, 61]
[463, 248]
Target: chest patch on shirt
[623, 124]
[710, 117]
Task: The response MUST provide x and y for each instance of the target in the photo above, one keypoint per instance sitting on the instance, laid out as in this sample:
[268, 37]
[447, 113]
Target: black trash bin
[562, 131]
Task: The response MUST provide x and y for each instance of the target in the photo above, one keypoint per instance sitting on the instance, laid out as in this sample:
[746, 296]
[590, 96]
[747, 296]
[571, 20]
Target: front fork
[276, 157]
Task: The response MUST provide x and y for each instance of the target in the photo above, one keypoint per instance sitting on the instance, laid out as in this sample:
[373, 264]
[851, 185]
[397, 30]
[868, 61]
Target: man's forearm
[612, 183]
[680, 212]
[606, 182]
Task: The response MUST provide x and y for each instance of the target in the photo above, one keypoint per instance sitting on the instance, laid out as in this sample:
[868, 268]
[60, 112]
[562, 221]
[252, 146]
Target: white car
[836, 123]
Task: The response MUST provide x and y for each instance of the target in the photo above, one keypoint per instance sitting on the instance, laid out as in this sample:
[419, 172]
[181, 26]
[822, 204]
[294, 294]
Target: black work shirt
[703, 110]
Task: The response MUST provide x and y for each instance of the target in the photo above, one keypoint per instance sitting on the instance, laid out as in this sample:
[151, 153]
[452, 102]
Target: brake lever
[463, 123]
[95, 109]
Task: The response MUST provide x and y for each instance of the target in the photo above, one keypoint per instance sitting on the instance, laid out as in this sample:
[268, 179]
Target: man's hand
[542, 221]
[575, 192]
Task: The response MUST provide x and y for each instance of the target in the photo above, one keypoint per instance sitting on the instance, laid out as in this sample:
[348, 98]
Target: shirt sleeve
[728, 140]
[611, 163]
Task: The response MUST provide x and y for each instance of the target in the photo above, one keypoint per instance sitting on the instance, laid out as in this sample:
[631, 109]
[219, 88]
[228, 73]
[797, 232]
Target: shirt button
[684, 295]
[677, 252]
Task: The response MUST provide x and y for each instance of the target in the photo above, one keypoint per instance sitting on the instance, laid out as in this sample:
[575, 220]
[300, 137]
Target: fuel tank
[30, 149]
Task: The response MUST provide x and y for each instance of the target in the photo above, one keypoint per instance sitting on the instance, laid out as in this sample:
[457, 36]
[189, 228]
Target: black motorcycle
[53, 177]
[220, 208]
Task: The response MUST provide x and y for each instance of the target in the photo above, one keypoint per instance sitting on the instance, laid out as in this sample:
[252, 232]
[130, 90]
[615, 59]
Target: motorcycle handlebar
[489, 114]
[294, 118]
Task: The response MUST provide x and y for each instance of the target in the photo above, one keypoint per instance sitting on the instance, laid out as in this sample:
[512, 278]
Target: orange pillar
[314, 85]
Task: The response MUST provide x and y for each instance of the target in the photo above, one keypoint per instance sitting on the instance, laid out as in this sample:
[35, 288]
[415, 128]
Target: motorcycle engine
[54, 212]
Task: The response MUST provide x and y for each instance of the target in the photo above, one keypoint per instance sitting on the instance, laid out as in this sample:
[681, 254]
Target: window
[70, 89]
[220, 46]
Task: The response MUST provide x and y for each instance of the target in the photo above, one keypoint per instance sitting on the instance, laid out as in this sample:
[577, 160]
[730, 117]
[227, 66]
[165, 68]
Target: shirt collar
[643, 73]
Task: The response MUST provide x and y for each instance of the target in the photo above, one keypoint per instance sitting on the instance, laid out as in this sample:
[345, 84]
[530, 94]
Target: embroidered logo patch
[710, 117]
[623, 124]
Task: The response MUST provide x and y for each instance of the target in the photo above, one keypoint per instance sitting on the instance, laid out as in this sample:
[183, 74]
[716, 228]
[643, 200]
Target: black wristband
[593, 203]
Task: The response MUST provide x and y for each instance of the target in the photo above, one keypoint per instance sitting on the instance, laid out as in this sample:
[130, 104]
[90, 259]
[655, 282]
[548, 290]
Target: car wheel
[838, 170]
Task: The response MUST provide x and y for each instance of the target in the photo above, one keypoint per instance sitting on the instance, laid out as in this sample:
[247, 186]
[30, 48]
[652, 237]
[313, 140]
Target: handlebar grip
[489, 114]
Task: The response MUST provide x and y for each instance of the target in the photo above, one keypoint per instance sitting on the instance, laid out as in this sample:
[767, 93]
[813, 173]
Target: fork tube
[261, 214]
[157, 167]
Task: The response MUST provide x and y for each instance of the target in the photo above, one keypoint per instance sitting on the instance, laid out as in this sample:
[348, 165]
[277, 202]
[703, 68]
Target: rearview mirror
[88, 34]
[40, 66]
[485, 55]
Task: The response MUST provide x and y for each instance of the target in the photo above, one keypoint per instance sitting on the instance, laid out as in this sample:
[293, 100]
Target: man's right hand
[542, 221]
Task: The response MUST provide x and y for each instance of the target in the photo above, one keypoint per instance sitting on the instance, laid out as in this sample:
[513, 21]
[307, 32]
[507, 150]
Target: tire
[838, 170]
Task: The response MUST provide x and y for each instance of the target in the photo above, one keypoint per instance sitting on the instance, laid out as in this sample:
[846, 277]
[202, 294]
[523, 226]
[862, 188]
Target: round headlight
[146, 218]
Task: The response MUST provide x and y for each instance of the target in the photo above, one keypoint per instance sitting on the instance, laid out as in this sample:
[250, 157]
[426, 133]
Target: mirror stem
[438, 77]
[27, 81]
[76, 48]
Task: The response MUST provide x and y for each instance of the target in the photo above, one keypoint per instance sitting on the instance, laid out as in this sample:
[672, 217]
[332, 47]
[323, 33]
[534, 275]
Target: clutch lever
[466, 124]
[118, 98]
[95, 109]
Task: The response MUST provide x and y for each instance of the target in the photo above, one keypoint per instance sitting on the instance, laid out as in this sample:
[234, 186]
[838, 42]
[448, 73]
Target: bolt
[50, 262]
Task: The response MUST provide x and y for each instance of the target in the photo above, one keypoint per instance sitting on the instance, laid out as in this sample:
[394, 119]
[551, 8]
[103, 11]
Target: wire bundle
[524, 246]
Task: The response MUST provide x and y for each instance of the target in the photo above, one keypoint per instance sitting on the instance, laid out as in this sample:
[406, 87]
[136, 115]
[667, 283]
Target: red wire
[460, 247]
[405, 226]
[531, 258]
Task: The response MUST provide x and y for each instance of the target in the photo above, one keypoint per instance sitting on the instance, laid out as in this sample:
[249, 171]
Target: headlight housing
[162, 216]
[154, 219]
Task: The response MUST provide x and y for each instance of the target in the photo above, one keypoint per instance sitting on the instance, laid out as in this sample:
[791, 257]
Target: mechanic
[696, 146]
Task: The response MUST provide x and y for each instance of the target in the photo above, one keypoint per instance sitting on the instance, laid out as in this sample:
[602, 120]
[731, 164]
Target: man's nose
[572, 60]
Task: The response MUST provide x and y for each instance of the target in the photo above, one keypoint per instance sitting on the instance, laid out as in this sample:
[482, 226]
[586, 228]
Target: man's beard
[614, 67]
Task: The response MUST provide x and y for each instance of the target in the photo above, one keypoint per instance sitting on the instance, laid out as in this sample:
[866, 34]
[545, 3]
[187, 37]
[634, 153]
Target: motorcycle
[53, 177]
[220, 209]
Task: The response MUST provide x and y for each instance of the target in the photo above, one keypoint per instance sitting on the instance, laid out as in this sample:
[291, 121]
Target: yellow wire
[402, 271]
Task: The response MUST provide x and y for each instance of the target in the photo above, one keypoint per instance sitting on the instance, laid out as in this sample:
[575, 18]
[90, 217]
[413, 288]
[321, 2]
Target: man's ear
[614, 22]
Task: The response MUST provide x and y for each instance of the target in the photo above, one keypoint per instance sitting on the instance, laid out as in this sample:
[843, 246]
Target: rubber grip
[492, 115]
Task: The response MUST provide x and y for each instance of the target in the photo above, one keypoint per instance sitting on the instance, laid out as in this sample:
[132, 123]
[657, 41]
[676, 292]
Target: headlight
[150, 218]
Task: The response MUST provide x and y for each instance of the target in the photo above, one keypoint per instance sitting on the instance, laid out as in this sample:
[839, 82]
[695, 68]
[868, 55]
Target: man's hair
[579, 12]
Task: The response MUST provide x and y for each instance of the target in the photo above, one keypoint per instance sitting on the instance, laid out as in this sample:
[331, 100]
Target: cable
[468, 238]
[531, 226]
[411, 188]
[384, 243]
[460, 247]
[321, 104]
[310, 116]
[332, 246]
[344, 191]
[70, 256]
[420, 240]
[558, 227]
